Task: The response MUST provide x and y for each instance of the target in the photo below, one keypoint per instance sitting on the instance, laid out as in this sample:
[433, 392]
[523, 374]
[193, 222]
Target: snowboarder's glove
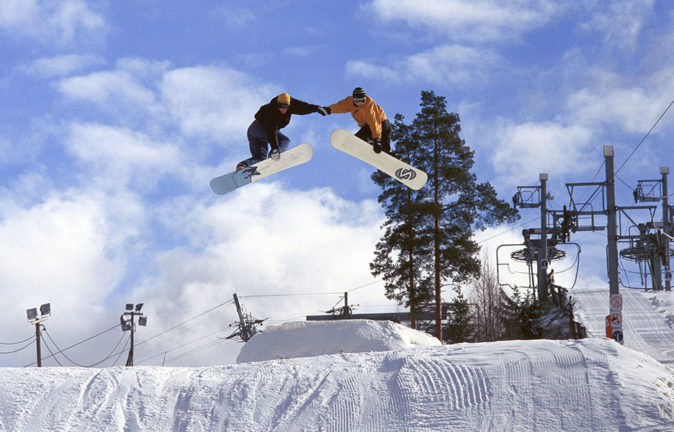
[275, 154]
[323, 110]
[377, 145]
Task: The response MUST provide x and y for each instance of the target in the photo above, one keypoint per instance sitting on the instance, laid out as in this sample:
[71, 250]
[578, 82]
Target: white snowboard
[289, 158]
[406, 174]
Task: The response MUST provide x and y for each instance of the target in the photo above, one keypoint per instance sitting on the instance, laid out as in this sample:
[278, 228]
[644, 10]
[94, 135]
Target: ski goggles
[283, 106]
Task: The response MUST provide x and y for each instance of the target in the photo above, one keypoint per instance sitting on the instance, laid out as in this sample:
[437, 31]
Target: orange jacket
[369, 113]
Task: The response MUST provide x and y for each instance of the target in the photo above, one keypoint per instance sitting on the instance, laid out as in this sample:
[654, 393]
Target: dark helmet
[358, 93]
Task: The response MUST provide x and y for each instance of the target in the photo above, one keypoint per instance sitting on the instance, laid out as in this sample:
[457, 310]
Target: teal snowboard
[289, 158]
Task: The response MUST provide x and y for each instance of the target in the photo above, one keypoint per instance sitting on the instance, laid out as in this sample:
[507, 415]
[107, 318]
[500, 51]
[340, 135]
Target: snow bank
[587, 385]
[313, 338]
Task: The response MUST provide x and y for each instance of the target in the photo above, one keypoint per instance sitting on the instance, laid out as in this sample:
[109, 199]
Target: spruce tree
[460, 326]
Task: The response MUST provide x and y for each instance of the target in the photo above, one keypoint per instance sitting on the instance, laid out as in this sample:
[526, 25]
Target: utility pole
[45, 312]
[246, 331]
[246, 327]
[128, 324]
[615, 299]
[542, 265]
[347, 313]
[666, 227]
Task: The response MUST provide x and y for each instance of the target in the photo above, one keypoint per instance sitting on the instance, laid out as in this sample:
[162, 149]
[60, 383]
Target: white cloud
[479, 20]
[262, 241]
[204, 101]
[632, 109]
[455, 64]
[118, 155]
[520, 151]
[18, 13]
[51, 21]
[73, 249]
[384, 73]
[55, 251]
[107, 89]
[621, 23]
[214, 102]
[61, 66]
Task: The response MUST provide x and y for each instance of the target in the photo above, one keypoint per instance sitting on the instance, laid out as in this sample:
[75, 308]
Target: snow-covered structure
[312, 338]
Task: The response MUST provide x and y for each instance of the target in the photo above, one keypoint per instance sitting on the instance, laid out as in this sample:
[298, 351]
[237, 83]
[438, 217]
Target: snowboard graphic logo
[249, 172]
[405, 174]
[234, 180]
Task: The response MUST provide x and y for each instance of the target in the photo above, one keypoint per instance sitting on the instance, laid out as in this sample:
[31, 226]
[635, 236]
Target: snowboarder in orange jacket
[375, 128]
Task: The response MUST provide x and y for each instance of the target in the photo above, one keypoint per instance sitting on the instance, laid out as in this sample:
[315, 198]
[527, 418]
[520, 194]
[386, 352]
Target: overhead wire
[197, 349]
[646, 136]
[18, 349]
[122, 351]
[44, 342]
[231, 301]
[81, 342]
[19, 342]
[290, 294]
[182, 345]
[60, 351]
[185, 322]
[508, 230]
[309, 294]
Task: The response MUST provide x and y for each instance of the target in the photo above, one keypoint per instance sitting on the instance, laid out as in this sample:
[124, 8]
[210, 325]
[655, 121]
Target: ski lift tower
[536, 197]
[653, 245]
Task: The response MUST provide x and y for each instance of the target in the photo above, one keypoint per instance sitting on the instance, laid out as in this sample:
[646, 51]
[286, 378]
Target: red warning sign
[616, 302]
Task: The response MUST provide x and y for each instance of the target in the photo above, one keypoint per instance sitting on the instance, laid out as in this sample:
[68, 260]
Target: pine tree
[428, 233]
[457, 203]
[403, 250]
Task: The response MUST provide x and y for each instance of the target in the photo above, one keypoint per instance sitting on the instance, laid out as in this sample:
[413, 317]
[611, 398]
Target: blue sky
[115, 115]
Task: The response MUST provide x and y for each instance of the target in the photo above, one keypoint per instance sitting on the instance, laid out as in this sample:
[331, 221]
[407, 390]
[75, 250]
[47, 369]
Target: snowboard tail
[289, 158]
[406, 174]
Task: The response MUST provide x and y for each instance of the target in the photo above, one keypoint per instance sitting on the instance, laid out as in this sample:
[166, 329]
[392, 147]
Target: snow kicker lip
[406, 173]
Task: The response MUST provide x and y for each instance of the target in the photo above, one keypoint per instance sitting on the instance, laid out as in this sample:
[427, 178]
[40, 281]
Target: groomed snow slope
[648, 319]
[587, 385]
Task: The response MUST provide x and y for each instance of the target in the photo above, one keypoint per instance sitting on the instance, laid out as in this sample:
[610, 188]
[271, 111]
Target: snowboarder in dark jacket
[269, 120]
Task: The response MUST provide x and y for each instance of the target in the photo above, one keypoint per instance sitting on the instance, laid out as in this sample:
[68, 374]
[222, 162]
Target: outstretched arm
[341, 107]
[301, 108]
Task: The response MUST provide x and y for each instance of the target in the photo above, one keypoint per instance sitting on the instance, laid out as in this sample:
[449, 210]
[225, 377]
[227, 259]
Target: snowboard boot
[241, 166]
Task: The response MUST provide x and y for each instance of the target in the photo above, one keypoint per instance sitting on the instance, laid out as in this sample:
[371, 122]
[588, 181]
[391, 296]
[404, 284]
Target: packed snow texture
[312, 338]
[593, 384]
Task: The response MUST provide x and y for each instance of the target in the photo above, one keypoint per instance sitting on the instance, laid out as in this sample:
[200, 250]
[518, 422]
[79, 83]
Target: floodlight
[32, 314]
[139, 306]
[129, 306]
[124, 323]
[45, 310]
[142, 321]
